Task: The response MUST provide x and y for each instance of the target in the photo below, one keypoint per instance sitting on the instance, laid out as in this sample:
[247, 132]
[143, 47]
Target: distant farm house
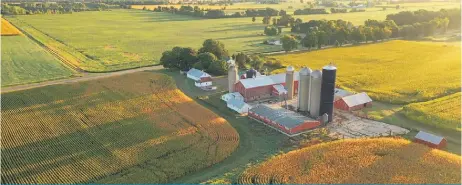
[204, 82]
[196, 74]
[430, 140]
[353, 102]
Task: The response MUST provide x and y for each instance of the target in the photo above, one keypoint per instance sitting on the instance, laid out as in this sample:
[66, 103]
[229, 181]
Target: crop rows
[104, 130]
[379, 160]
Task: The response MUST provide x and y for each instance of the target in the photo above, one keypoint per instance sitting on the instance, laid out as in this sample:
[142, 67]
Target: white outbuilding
[196, 74]
[238, 105]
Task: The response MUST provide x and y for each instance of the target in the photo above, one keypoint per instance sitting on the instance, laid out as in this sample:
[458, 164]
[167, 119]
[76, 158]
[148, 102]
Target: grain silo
[304, 89]
[328, 90]
[315, 92]
[232, 77]
[290, 82]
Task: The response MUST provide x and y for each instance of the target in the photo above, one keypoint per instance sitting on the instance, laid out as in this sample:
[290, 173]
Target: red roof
[206, 79]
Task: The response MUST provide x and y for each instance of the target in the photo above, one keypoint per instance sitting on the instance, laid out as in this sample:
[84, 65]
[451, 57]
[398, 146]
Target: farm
[379, 160]
[394, 71]
[135, 128]
[23, 61]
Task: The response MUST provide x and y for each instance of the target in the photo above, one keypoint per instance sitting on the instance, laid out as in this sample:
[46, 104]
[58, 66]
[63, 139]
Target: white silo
[290, 82]
[232, 77]
[315, 94]
[304, 89]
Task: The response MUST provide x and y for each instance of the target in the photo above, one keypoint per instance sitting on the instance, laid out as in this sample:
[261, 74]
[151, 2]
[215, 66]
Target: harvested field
[359, 161]
[8, 29]
[135, 128]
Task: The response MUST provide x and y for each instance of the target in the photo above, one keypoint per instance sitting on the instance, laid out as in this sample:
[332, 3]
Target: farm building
[353, 102]
[340, 93]
[203, 82]
[196, 74]
[430, 140]
[283, 120]
[238, 105]
[263, 86]
[235, 95]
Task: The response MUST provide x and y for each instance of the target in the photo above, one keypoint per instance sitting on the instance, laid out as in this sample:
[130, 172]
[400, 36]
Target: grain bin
[328, 90]
[232, 77]
[304, 89]
[315, 94]
[251, 73]
[290, 82]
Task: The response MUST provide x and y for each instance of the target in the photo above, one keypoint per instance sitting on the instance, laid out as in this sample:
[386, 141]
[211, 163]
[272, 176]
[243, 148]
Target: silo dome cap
[330, 67]
[290, 68]
[305, 71]
[316, 74]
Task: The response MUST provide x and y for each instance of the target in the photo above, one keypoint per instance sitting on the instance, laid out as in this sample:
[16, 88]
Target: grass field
[23, 61]
[376, 161]
[442, 112]
[394, 71]
[135, 128]
[8, 29]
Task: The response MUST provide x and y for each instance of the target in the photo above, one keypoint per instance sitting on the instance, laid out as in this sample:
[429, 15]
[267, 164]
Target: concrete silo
[315, 94]
[304, 89]
[232, 77]
[328, 90]
[290, 82]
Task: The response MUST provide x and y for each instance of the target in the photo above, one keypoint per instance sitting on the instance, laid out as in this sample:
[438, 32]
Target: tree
[279, 30]
[271, 30]
[322, 38]
[358, 34]
[215, 47]
[199, 66]
[289, 42]
[256, 62]
[282, 13]
[206, 59]
[241, 60]
[310, 40]
[369, 33]
[266, 20]
[218, 67]
[253, 19]
[179, 58]
[341, 35]
[286, 20]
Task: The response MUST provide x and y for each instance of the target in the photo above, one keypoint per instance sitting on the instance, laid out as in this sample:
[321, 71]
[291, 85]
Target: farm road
[83, 77]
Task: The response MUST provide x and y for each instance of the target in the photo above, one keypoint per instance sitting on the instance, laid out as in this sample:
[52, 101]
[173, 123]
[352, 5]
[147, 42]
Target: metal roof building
[353, 102]
[430, 140]
[196, 74]
[282, 119]
[238, 105]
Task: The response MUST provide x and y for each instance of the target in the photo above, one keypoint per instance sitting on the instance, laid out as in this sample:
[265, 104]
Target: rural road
[84, 77]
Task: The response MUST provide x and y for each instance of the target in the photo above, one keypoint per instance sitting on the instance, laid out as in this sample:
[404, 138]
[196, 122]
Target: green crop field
[442, 112]
[393, 71]
[23, 61]
[136, 128]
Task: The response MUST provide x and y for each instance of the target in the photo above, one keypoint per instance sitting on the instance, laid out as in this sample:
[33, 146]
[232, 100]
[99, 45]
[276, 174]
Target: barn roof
[197, 73]
[260, 81]
[357, 99]
[342, 93]
[278, 116]
[206, 79]
[424, 136]
[237, 103]
[280, 88]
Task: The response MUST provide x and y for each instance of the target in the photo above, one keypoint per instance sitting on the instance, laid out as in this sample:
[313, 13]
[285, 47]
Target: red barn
[287, 123]
[262, 86]
[353, 102]
[430, 140]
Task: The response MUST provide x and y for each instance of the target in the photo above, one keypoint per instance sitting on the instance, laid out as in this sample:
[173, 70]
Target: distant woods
[51, 8]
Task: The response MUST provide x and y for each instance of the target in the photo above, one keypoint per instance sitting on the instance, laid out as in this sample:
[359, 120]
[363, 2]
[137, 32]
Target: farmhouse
[196, 74]
[264, 86]
[283, 120]
[430, 140]
[203, 82]
[353, 102]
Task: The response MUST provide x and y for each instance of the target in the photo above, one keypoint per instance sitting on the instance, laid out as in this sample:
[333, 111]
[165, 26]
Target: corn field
[110, 130]
[8, 29]
[369, 161]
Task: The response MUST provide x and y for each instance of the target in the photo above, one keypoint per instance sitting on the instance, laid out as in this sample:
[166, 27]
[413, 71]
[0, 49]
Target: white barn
[203, 82]
[235, 95]
[238, 105]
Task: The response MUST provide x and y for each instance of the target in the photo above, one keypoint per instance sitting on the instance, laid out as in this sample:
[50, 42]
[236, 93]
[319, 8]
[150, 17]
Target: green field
[23, 61]
[442, 112]
[136, 128]
[398, 71]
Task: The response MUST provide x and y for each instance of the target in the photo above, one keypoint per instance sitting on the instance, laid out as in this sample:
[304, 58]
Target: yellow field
[8, 29]
[135, 128]
[442, 112]
[394, 71]
[368, 161]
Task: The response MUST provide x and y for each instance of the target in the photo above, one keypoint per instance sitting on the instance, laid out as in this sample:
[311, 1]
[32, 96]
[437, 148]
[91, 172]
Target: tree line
[51, 8]
[218, 13]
